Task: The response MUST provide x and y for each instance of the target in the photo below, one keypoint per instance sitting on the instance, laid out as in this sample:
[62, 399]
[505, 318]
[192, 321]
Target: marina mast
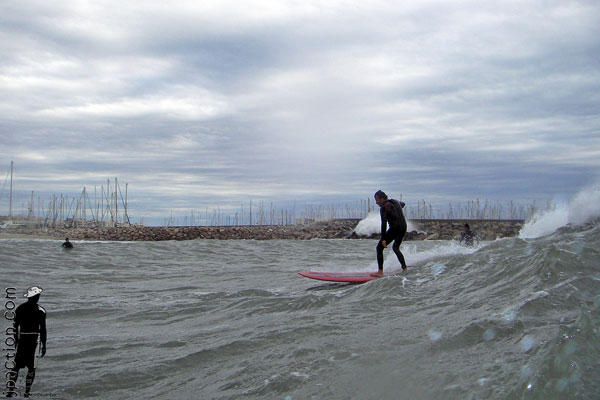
[10, 202]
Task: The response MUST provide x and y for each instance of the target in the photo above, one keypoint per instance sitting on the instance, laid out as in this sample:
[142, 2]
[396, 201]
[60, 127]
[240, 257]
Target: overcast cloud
[204, 103]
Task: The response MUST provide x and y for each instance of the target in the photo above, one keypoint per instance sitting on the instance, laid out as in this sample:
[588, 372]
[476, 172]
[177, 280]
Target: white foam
[369, 225]
[442, 249]
[584, 206]
[372, 225]
[416, 255]
[545, 223]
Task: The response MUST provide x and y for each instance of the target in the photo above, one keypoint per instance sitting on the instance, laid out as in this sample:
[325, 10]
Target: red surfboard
[348, 277]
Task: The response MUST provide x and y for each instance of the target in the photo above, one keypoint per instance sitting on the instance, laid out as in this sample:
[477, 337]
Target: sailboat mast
[10, 203]
[116, 202]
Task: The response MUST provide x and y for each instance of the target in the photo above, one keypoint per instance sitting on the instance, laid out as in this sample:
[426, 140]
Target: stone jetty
[434, 229]
[448, 229]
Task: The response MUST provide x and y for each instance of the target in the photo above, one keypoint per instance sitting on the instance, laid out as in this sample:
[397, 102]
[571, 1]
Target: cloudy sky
[206, 103]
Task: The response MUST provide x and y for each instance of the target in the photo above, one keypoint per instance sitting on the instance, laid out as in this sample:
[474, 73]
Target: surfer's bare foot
[404, 268]
[379, 273]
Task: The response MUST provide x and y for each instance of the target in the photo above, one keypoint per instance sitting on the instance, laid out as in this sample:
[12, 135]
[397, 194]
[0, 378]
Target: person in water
[67, 244]
[29, 324]
[392, 216]
[467, 236]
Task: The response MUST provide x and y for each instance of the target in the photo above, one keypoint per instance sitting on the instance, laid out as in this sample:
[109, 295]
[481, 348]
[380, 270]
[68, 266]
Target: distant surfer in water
[467, 236]
[67, 244]
[29, 323]
[392, 215]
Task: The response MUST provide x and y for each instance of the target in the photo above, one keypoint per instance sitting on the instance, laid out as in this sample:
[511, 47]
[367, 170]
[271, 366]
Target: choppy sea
[515, 318]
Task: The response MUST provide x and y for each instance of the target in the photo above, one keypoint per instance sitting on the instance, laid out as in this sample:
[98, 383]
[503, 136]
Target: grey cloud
[199, 105]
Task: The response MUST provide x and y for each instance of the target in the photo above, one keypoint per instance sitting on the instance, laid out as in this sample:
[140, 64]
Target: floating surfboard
[348, 277]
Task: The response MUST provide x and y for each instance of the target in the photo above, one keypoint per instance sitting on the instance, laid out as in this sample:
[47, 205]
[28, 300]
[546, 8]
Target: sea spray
[416, 254]
[545, 222]
[371, 224]
[583, 207]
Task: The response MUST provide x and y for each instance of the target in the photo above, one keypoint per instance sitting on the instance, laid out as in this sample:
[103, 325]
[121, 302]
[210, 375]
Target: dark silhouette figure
[67, 244]
[467, 236]
[392, 216]
[29, 324]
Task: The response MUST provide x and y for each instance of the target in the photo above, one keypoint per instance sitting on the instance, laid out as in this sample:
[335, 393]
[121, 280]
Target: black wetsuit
[392, 215]
[67, 245]
[467, 237]
[29, 323]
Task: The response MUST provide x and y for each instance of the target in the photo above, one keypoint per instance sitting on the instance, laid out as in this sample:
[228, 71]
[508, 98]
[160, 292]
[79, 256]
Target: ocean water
[515, 318]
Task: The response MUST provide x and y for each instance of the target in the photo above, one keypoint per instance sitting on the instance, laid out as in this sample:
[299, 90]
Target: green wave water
[512, 319]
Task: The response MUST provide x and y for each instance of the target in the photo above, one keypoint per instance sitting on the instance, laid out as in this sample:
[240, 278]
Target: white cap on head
[33, 291]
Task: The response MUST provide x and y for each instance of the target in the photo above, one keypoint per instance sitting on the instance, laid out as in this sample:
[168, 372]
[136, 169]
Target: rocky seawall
[448, 229]
[335, 229]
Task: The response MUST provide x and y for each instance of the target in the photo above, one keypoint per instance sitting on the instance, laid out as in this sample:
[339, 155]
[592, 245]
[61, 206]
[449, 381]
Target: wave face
[513, 319]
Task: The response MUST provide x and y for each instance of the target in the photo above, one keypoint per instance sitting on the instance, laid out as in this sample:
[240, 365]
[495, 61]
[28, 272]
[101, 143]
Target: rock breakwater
[337, 229]
[450, 229]
[334, 229]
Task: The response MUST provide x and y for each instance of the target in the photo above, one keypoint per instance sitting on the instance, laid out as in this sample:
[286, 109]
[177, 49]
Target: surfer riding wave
[392, 215]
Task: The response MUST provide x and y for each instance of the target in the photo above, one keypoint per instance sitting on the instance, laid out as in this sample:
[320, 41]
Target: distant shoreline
[429, 229]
